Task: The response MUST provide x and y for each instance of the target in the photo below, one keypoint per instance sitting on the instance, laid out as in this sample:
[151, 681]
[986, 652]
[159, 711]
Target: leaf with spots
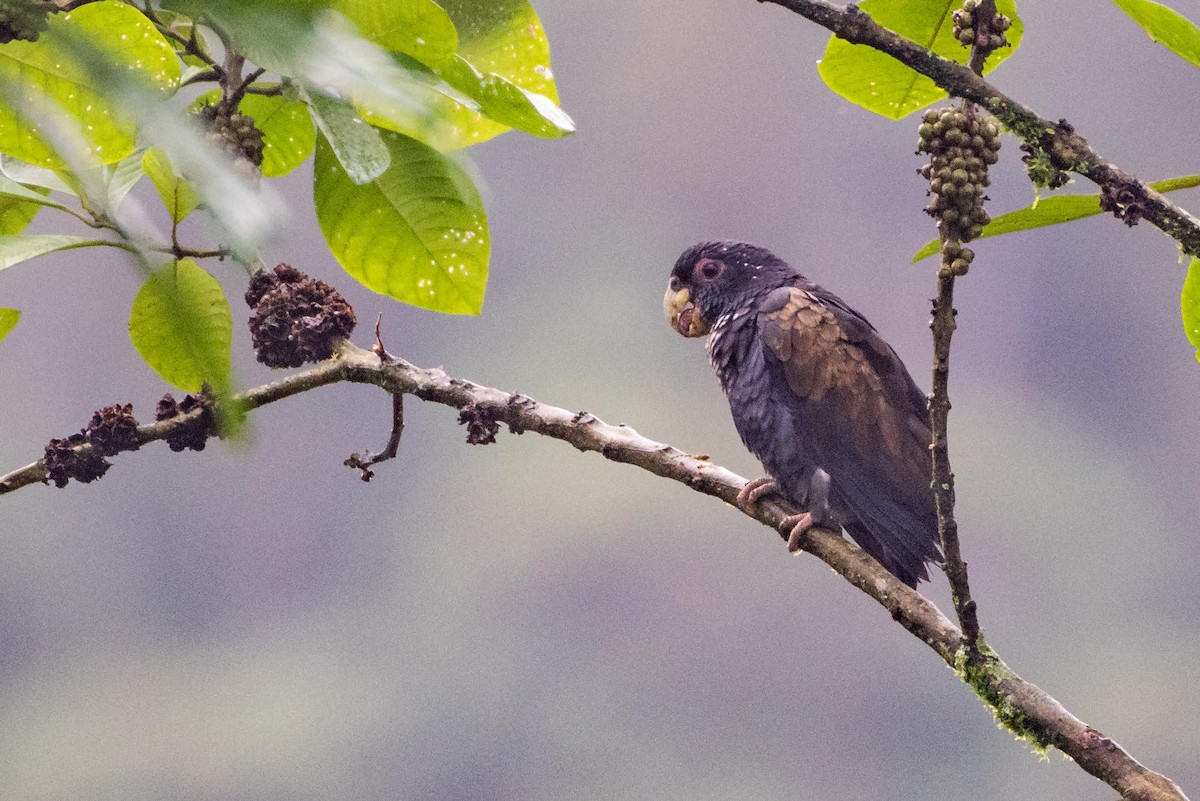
[503, 67]
[417, 233]
[288, 133]
[877, 82]
[50, 67]
[417, 28]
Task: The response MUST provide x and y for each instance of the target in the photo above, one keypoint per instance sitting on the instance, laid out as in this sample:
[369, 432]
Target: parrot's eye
[707, 270]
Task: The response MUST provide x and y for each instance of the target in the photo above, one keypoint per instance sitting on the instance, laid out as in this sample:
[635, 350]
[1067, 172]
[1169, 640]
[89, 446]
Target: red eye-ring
[707, 270]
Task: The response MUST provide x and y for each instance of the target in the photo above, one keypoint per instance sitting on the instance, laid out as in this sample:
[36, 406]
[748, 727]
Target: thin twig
[1066, 149]
[365, 461]
[1019, 704]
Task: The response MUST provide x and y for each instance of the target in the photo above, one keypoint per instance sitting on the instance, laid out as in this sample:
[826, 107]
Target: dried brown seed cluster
[23, 20]
[968, 32]
[960, 147]
[481, 424]
[111, 430]
[1126, 200]
[296, 319]
[195, 434]
[233, 132]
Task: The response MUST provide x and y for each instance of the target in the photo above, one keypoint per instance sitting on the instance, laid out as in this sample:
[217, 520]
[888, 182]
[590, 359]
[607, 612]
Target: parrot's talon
[755, 490]
[796, 527]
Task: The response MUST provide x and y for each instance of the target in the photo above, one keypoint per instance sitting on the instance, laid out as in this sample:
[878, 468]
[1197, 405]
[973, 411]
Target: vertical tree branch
[943, 325]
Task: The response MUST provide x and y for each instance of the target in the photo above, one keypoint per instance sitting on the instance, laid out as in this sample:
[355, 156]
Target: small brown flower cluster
[960, 148]
[23, 20]
[296, 319]
[235, 133]
[195, 434]
[111, 430]
[967, 31]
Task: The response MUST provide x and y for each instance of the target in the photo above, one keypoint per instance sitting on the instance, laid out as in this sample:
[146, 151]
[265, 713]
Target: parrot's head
[715, 278]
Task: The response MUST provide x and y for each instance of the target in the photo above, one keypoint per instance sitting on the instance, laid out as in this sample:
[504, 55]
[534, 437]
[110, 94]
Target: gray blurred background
[521, 621]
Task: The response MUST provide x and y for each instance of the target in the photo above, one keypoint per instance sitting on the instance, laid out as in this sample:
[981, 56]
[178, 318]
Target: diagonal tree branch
[1024, 708]
[1066, 149]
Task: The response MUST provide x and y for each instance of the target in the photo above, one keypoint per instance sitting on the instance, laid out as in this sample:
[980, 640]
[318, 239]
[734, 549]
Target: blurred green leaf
[418, 233]
[1190, 305]
[878, 82]
[272, 33]
[181, 325]
[305, 41]
[122, 177]
[8, 321]
[49, 64]
[23, 247]
[1166, 26]
[501, 47]
[288, 133]
[357, 145]
[29, 175]
[16, 214]
[20, 204]
[34, 194]
[504, 102]
[417, 28]
[1053, 211]
[177, 194]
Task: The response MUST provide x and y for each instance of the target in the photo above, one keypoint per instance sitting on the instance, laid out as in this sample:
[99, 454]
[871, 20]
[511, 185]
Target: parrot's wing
[859, 411]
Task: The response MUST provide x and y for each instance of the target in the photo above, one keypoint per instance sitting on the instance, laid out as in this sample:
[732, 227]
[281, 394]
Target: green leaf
[8, 321]
[504, 102]
[1166, 26]
[49, 64]
[501, 42]
[29, 175]
[358, 146]
[19, 205]
[23, 247]
[181, 325]
[878, 82]
[417, 28]
[1190, 305]
[177, 194]
[417, 233]
[288, 132]
[1053, 211]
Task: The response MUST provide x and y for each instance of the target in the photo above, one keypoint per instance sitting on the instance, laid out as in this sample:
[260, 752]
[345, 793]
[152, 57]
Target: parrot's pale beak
[683, 314]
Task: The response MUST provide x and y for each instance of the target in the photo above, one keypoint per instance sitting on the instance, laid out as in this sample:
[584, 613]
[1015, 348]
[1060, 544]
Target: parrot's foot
[755, 490]
[795, 526]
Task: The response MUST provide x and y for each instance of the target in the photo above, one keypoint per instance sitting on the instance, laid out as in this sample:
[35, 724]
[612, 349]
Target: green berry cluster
[22, 20]
[966, 30]
[233, 132]
[960, 148]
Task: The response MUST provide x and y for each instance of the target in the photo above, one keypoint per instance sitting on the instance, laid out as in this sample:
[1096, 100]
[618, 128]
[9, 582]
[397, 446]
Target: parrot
[819, 397]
